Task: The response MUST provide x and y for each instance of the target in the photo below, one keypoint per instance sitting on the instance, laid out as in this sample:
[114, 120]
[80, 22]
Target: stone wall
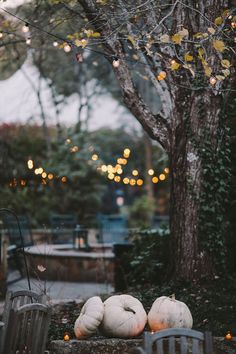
[119, 346]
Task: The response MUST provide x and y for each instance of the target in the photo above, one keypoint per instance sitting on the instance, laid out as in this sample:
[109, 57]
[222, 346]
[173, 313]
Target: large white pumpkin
[90, 317]
[167, 312]
[124, 317]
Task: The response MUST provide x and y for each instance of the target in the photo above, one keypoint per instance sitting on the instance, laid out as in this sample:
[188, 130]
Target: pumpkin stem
[130, 310]
[172, 296]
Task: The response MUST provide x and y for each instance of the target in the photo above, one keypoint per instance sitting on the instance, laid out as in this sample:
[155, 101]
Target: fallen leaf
[177, 38]
[220, 77]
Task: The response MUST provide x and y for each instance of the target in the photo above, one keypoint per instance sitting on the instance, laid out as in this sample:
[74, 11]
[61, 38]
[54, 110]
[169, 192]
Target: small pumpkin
[124, 317]
[167, 312]
[90, 317]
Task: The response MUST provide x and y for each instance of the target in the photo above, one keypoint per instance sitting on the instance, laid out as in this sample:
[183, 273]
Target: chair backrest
[16, 299]
[11, 225]
[178, 340]
[63, 227]
[112, 229]
[27, 329]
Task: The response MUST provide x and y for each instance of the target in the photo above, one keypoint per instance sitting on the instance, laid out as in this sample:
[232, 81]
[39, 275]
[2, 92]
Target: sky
[18, 101]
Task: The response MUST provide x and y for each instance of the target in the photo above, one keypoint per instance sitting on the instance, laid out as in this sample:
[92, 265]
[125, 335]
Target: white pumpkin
[90, 317]
[124, 317]
[167, 312]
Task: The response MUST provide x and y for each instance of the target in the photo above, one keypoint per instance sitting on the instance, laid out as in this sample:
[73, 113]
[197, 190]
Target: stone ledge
[96, 346]
[120, 346]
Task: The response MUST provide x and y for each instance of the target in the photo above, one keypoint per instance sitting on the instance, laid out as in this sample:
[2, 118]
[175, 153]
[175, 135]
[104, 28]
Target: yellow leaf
[218, 21]
[211, 30]
[177, 38]
[220, 77]
[208, 70]
[226, 13]
[201, 52]
[188, 57]
[198, 35]
[219, 45]
[132, 41]
[96, 35]
[225, 63]
[81, 43]
[165, 38]
[226, 72]
[174, 65]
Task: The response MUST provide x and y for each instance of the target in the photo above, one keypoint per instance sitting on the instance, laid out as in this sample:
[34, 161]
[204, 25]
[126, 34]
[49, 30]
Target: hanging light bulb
[212, 80]
[67, 48]
[28, 41]
[1, 34]
[116, 63]
[79, 57]
[55, 44]
[25, 28]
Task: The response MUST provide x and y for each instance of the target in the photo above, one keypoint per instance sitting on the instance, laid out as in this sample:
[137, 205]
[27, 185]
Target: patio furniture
[14, 250]
[14, 300]
[63, 226]
[112, 229]
[176, 340]
[27, 329]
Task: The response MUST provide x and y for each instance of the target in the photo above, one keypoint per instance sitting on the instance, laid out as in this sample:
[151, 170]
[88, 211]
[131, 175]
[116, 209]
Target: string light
[44, 175]
[50, 176]
[233, 24]
[116, 63]
[25, 28]
[119, 171]
[155, 179]
[139, 182]
[212, 80]
[132, 182]
[126, 152]
[64, 179]
[55, 44]
[40, 170]
[30, 164]
[135, 172]
[79, 57]
[94, 157]
[151, 172]
[67, 48]
[162, 177]
[117, 179]
[104, 168]
[166, 170]
[1, 34]
[28, 41]
[111, 176]
[126, 180]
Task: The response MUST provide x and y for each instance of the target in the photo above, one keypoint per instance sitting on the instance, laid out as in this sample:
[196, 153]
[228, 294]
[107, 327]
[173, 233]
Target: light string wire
[106, 55]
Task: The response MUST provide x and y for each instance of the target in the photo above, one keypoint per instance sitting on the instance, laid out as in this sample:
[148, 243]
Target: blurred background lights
[139, 182]
[30, 164]
[94, 157]
[151, 172]
[126, 180]
[155, 180]
[162, 177]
